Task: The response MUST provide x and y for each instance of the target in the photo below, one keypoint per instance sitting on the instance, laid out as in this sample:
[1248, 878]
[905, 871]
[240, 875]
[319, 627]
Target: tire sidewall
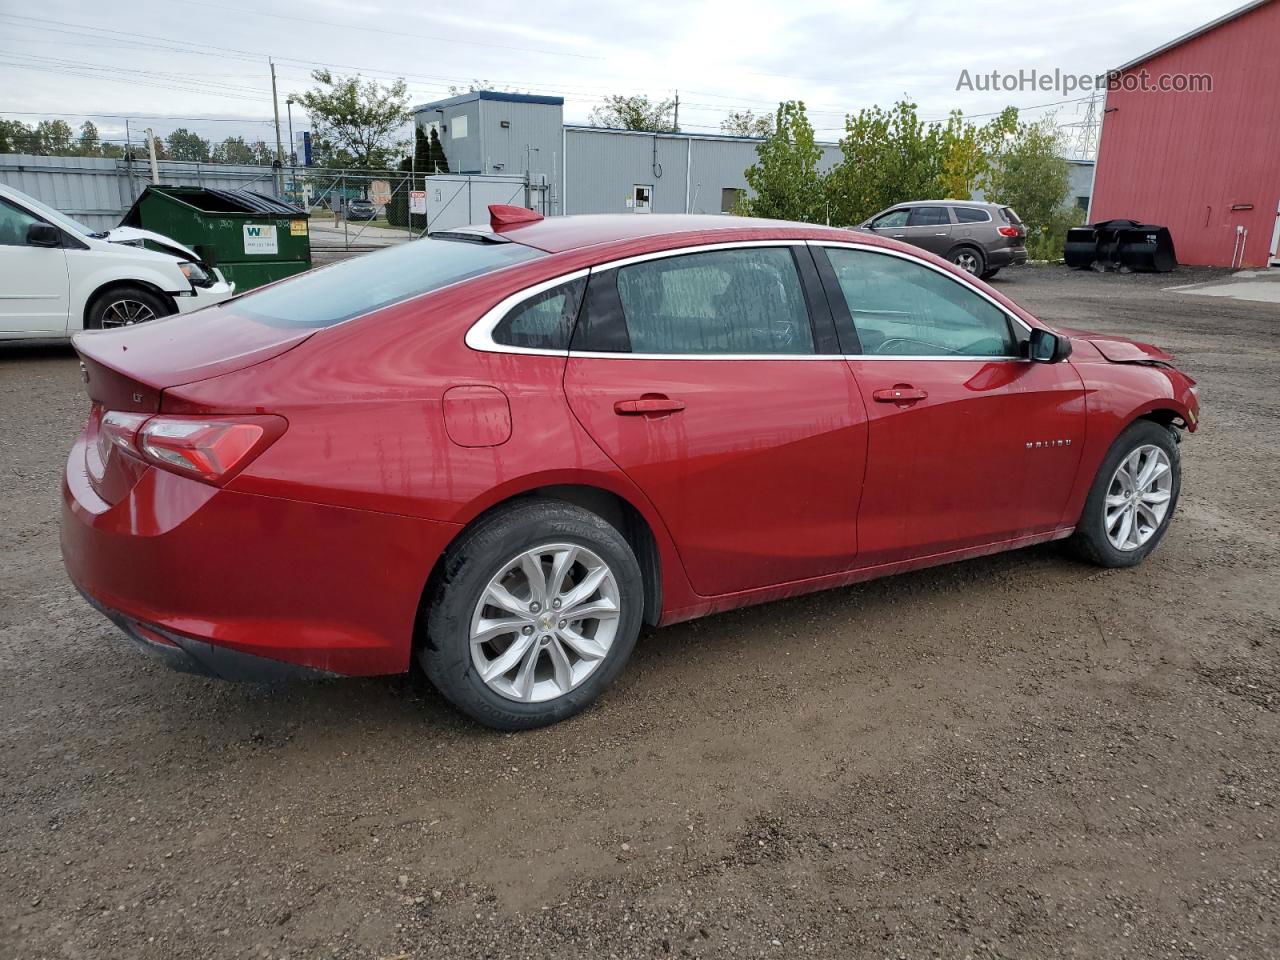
[446, 653]
[1092, 524]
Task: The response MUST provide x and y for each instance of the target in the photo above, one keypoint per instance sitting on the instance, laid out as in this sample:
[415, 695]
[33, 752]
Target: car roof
[574, 232]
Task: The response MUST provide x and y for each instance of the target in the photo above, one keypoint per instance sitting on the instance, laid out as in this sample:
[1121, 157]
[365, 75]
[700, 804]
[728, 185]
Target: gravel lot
[1019, 756]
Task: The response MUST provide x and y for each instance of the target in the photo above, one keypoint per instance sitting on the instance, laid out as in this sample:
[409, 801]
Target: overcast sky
[208, 59]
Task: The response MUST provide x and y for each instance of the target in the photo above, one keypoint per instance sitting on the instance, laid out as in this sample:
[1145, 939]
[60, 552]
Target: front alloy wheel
[1133, 497]
[1138, 497]
[545, 622]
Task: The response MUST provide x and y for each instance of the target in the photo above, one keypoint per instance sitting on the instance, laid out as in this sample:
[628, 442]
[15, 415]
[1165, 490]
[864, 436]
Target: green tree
[89, 144]
[967, 151]
[185, 145]
[634, 113]
[55, 138]
[785, 177]
[889, 156]
[1029, 174]
[356, 123]
[745, 123]
[15, 137]
[232, 150]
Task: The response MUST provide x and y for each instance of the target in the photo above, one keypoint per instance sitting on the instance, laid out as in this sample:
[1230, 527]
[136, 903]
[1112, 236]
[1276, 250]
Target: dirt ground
[1018, 757]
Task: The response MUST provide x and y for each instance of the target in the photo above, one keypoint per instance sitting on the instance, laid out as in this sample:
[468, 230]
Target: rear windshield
[348, 289]
[1009, 215]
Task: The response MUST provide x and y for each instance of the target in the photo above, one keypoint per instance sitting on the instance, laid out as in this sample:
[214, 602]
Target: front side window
[894, 218]
[13, 225]
[544, 321]
[903, 308]
[746, 301]
[929, 217]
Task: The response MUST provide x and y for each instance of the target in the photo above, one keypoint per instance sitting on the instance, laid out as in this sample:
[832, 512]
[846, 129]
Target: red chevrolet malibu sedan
[502, 450]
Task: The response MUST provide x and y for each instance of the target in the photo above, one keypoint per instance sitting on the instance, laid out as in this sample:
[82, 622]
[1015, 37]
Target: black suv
[979, 238]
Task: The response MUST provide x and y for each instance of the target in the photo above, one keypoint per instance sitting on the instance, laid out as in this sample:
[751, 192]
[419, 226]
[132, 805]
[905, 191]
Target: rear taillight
[212, 449]
[117, 429]
[1009, 231]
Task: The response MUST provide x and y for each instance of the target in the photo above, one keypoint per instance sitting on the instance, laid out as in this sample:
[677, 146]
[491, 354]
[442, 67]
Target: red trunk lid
[128, 368]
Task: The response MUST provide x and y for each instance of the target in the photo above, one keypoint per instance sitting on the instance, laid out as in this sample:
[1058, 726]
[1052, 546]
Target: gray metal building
[592, 169]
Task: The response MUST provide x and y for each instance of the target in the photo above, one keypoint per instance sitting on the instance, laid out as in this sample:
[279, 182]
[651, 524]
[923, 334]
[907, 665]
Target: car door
[969, 442]
[930, 229]
[712, 377]
[33, 280]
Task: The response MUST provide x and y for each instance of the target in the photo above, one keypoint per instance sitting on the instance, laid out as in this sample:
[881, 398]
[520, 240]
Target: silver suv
[979, 238]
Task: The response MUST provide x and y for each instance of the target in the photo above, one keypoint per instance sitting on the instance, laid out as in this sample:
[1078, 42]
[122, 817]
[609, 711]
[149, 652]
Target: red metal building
[1204, 164]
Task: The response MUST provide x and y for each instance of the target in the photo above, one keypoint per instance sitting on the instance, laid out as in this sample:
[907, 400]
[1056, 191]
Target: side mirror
[1047, 347]
[43, 235]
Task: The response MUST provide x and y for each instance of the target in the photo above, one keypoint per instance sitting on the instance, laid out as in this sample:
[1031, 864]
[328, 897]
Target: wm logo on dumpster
[260, 239]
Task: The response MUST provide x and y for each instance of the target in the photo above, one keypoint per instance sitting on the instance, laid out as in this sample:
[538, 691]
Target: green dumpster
[253, 239]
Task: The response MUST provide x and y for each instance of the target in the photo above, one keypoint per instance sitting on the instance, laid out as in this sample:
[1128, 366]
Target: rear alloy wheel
[970, 260]
[1133, 497]
[124, 307]
[545, 622]
[535, 614]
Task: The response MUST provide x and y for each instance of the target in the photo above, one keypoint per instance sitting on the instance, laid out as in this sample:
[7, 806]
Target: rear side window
[904, 308]
[348, 289]
[545, 321]
[720, 302]
[929, 217]
[971, 215]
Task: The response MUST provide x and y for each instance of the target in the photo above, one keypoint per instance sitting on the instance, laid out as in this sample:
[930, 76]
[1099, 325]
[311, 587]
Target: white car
[57, 276]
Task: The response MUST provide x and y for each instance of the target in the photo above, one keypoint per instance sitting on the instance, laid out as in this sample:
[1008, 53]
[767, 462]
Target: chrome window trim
[480, 335]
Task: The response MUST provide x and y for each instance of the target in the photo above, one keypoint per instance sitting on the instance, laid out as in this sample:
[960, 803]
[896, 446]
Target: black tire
[963, 257]
[112, 308]
[481, 553]
[990, 273]
[1090, 541]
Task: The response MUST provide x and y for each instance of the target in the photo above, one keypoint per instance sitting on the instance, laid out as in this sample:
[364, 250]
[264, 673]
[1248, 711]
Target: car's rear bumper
[245, 585]
[1006, 256]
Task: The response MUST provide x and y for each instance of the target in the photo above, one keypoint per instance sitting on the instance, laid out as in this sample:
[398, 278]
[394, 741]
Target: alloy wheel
[545, 622]
[966, 261]
[125, 313]
[1138, 497]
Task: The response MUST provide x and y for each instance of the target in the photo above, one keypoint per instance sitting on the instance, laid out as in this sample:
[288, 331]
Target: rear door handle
[647, 406]
[902, 393]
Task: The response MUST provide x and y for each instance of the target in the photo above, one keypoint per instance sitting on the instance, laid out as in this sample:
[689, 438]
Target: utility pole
[275, 104]
[293, 153]
[151, 152]
[677, 121]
